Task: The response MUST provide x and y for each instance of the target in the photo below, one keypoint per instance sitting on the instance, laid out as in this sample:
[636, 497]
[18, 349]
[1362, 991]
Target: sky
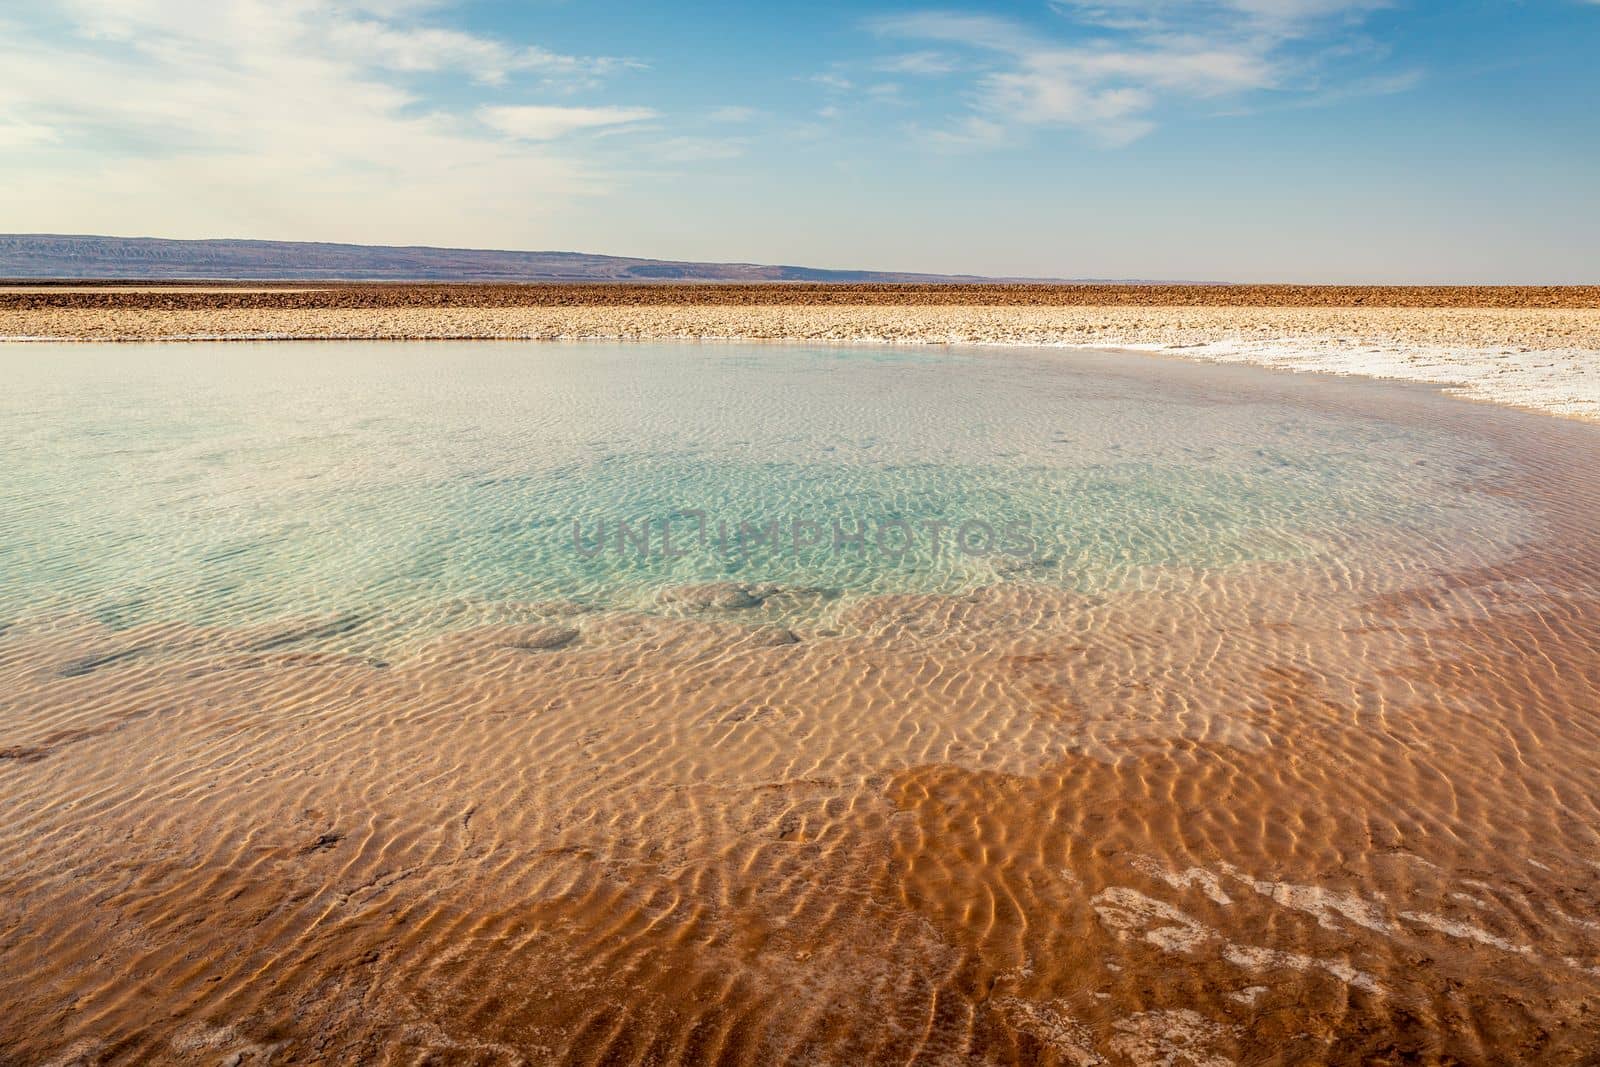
[1209, 140]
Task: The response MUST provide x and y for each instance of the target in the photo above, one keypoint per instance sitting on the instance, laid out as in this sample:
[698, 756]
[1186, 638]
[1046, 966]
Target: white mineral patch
[1464, 931]
[1180, 1038]
[1208, 883]
[1322, 903]
[1130, 912]
[1268, 959]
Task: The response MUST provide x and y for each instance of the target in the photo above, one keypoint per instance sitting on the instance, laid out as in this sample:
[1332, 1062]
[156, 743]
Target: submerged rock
[714, 596]
[541, 638]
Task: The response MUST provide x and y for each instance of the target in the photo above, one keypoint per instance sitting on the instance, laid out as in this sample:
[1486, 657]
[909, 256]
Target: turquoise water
[407, 487]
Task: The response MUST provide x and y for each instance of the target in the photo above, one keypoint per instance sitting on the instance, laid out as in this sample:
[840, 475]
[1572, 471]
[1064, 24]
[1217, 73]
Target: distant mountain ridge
[87, 256]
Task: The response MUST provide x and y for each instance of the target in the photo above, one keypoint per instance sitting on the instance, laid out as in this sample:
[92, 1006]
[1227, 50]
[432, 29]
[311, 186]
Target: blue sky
[1301, 140]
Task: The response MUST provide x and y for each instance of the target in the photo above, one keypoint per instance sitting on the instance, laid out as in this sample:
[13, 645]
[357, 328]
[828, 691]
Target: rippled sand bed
[1328, 809]
[1150, 828]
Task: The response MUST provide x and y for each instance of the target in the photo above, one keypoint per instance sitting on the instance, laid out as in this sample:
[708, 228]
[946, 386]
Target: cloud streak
[1108, 68]
[430, 49]
[542, 123]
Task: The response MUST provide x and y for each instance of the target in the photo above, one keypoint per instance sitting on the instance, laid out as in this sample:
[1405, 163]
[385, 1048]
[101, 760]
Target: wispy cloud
[1109, 67]
[430, 48]
[18, 134]
[545, 123]
[696, 149]
[364, 120]
[925, 62]
[834, 81]
[368, 35]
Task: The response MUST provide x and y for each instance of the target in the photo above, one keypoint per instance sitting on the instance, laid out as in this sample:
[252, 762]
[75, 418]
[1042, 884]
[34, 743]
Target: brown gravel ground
[77, 294]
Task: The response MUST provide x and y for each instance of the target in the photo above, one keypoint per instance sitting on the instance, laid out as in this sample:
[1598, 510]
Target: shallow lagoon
[321, 739]
[401, 488]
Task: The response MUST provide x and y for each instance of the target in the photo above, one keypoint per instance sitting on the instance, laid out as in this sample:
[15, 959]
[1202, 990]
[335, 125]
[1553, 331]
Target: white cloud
[836, 82]
[366, 34]
[428, 48]
[972, 131]
[19, 134]
[1112, 65]
[1274, 18]
[280, 118]
[924, 63]
[739, 113]
[542, 123]
[695, 149]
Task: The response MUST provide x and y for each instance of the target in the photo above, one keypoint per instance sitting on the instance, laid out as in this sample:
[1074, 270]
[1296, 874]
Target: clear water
[405, 488]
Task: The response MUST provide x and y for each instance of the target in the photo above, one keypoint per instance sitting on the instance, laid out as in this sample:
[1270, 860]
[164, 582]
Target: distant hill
[71, 256]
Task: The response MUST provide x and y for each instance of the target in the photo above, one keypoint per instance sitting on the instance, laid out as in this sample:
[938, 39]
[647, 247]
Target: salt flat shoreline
[1539, 357]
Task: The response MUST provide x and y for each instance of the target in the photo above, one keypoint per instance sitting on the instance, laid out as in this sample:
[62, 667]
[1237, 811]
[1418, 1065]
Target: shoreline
[1534, 358]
